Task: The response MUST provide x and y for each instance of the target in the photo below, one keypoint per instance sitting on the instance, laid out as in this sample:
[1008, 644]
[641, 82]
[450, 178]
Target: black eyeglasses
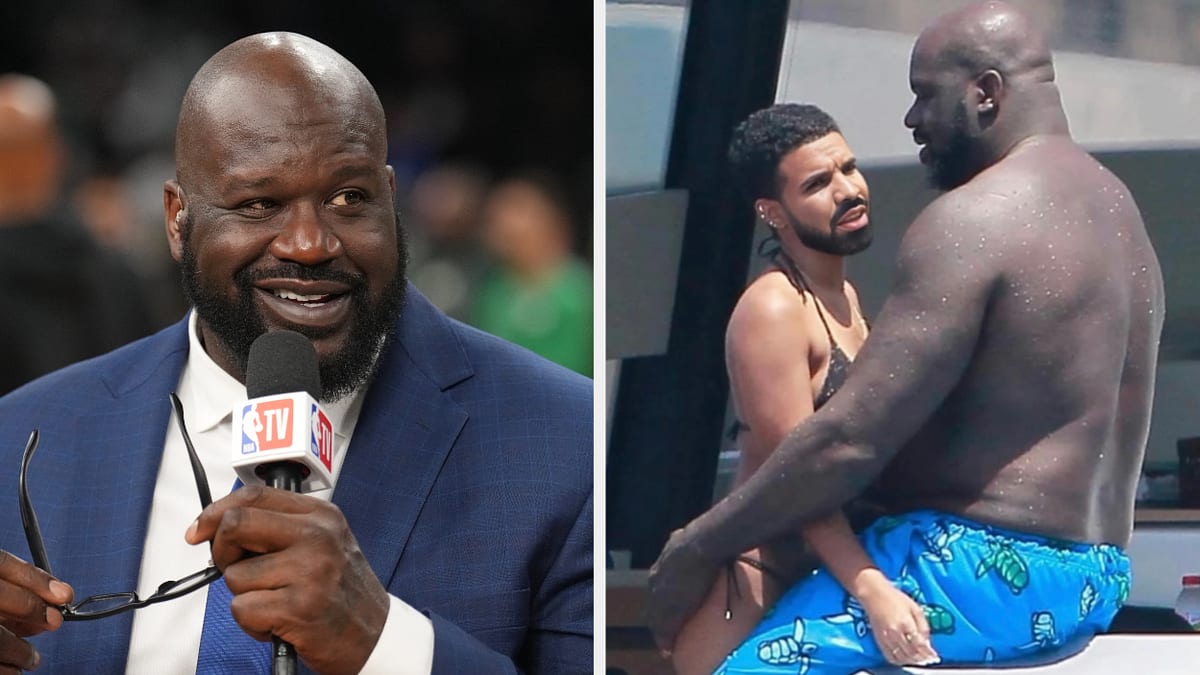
[108, 604]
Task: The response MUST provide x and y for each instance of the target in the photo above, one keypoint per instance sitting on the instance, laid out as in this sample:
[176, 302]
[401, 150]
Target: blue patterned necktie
[224, 646]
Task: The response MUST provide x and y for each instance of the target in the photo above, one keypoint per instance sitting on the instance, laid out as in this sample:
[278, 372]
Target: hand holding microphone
[290, 560]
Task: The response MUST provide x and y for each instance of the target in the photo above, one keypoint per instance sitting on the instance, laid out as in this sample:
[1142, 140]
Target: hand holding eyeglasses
[33, 601]
[29, 599]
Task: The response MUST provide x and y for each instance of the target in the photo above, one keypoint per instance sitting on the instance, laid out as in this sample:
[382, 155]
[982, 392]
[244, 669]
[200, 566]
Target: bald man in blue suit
[459, 535]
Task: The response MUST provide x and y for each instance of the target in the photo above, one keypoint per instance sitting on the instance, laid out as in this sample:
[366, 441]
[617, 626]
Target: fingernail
[191, 531]
[37, 659]
[59, 588]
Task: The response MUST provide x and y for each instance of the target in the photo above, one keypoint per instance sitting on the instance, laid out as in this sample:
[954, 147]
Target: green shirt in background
[552, 318]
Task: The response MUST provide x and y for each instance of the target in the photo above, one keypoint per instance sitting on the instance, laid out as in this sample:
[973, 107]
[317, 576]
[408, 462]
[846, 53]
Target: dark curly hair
[761, 141]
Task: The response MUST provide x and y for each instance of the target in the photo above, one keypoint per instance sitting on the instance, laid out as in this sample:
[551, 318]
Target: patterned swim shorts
[989, 594]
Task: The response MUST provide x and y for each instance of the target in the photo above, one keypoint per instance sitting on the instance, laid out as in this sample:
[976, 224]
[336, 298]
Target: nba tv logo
[266, 425]
[321, 441]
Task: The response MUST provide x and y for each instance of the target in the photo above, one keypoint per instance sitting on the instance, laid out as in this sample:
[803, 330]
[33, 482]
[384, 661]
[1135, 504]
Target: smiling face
[286, 220]
[823, 197]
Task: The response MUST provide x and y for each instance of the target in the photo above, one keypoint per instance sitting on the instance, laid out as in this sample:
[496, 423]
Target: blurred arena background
[489, 110]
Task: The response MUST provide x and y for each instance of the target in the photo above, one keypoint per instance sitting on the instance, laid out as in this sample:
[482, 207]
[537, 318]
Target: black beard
[237, 324]
[830, 240]
[954, 165]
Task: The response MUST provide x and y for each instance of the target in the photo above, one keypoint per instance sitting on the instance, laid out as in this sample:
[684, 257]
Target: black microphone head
[282, 362]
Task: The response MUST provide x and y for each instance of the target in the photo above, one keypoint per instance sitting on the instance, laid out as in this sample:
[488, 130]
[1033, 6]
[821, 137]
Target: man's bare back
[1037, 436]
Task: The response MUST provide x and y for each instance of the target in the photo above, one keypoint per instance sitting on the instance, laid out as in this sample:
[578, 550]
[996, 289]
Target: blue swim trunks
[989, 595]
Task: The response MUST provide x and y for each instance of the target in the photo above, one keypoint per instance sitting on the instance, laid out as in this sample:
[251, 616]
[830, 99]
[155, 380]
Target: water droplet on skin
[943, 298]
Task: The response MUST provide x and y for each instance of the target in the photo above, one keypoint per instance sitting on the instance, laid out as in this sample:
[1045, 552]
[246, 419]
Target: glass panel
[643, 56]
[643, 53]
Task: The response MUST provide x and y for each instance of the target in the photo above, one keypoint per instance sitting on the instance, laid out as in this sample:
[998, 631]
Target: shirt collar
[209, 394]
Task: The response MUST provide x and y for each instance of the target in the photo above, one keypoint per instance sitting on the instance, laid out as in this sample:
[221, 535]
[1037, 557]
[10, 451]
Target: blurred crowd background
[489, 106]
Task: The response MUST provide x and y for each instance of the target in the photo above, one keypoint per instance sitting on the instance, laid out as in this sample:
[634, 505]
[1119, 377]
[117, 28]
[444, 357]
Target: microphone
[281, 436]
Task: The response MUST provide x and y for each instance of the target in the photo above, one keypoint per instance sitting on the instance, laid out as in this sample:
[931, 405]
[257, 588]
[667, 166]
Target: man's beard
[238, 323]
[954, 165]
[830, 240]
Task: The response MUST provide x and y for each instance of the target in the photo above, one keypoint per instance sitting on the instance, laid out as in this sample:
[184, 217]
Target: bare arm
[898, 623]
[767, 355]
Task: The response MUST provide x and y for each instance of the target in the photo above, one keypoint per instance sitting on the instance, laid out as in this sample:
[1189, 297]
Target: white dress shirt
[166, 636]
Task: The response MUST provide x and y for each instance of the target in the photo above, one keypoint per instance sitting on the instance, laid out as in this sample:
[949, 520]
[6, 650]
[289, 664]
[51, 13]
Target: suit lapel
[114, 458]
[407, 427]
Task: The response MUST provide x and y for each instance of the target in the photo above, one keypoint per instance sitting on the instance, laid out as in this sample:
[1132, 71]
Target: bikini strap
[796, 277]
[731, 584]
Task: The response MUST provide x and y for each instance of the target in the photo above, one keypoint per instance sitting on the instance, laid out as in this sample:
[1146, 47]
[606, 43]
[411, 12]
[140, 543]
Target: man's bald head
[30, 148]
[282, 75]
[984, 82]
[283, 212]
[988, 35]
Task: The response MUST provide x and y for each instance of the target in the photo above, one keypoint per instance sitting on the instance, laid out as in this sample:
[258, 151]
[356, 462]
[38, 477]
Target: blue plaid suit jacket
[468, 484]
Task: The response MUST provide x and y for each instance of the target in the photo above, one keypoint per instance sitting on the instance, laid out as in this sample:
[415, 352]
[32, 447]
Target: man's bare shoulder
[980, 217]
[978, 202]
[770, 304]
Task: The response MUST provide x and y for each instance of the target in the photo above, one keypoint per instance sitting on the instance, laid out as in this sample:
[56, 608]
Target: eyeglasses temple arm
[197, 468]
[33, 531]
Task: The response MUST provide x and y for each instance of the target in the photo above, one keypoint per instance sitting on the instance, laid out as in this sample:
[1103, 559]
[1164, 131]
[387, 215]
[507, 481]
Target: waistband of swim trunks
[983, 531]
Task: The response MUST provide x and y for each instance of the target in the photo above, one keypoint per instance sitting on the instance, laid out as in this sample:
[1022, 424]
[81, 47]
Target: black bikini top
[839, 363]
